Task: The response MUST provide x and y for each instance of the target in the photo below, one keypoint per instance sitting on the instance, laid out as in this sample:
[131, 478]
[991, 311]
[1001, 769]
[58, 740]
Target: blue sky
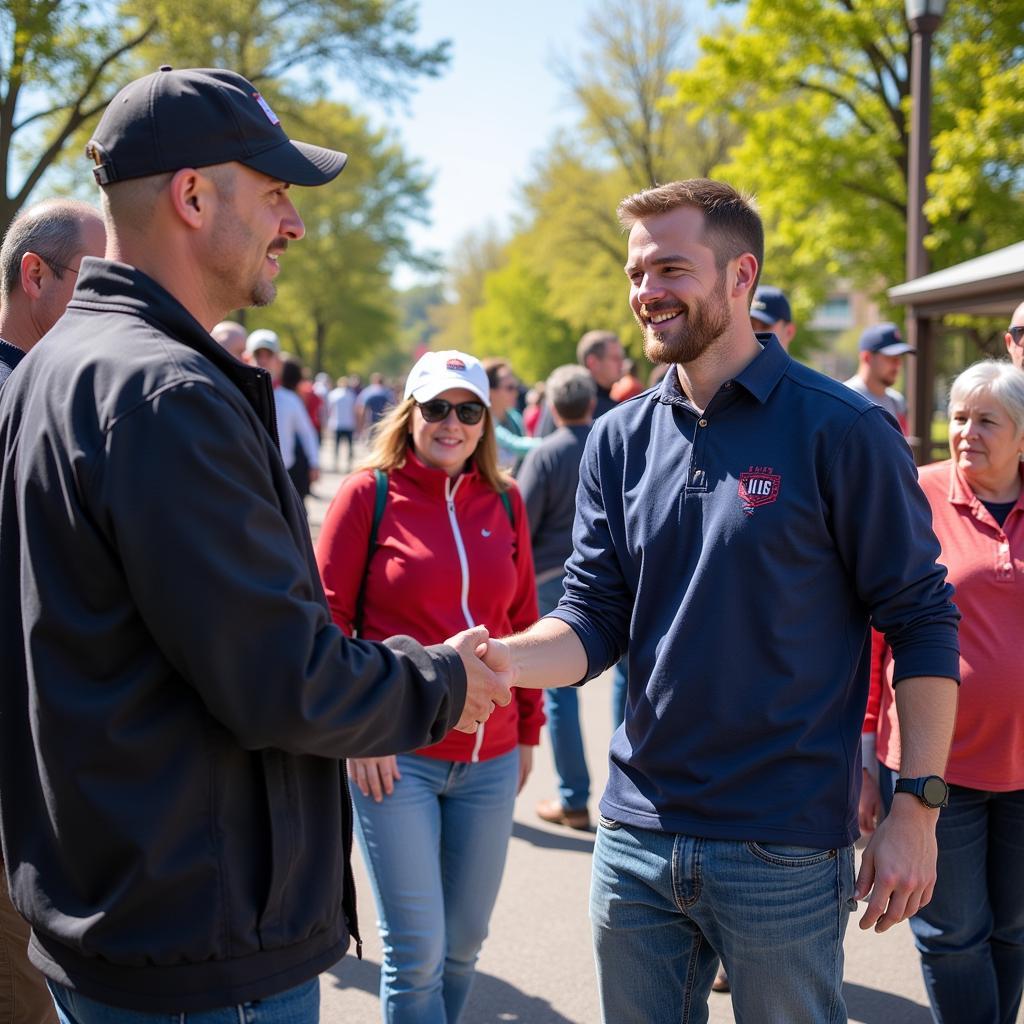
[479, 127]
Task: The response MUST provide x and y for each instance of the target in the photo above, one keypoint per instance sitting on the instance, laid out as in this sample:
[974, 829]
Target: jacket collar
[431, 479]
[104, 285]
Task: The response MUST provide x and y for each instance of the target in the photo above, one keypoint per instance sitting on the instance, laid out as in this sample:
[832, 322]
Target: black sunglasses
[1017, 333]
[437, 409]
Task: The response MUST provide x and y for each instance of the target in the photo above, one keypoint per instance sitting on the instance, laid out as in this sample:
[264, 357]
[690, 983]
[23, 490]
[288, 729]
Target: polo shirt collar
[960, 492]
[759, 377]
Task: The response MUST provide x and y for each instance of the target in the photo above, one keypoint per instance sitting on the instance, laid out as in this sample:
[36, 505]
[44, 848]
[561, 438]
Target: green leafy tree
[820, 91]
[514, 322]
[369, 42]
[60, 63]
[570, 241]
[473, 257]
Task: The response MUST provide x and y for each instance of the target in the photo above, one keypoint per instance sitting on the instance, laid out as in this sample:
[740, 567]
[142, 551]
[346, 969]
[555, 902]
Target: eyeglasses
[1017, 333]
[437, 409]
[54, 266]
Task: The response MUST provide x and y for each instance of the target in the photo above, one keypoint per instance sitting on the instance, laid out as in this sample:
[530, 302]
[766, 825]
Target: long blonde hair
[391, 439]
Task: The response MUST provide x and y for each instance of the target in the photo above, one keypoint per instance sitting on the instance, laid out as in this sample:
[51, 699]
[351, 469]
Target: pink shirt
[986, 565]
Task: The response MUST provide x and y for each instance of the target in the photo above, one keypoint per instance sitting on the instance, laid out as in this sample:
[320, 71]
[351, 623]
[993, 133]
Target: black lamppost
[923, 17]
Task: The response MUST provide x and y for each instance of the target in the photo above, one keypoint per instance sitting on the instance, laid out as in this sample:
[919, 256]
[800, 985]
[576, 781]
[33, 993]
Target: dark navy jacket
[740, 554]
[176, 821]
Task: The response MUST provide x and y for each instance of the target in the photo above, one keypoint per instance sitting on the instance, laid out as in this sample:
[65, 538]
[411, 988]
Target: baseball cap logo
[455, 364]
[265, 107]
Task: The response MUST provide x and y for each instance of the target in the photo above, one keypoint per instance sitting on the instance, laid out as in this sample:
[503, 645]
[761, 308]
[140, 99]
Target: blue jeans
[562, 709]
[971, 935]
[299, 1005]
[664, 907]
[435, 850]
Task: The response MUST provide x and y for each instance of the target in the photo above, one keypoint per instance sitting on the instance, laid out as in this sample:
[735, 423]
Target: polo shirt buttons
[702, 423]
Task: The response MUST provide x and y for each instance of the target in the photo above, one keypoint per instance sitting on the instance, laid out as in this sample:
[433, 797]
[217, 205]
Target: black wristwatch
[931, 790]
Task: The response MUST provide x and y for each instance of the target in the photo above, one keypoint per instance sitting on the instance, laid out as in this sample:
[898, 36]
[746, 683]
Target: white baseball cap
[262, 339]
[436, 372]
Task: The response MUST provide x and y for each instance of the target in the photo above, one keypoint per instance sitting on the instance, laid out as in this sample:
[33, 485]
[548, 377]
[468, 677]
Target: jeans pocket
[787, 855]
[609, 823]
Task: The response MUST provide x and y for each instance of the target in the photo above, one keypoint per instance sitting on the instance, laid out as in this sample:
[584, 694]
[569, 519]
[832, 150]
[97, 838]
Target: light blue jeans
[435, 850]
[299, 1005]
[562, 710]
[664, 907]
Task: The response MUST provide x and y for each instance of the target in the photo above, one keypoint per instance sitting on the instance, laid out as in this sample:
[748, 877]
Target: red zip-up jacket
[447, 558]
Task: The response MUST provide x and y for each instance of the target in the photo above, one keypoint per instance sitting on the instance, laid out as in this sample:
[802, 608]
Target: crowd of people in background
[184, 671]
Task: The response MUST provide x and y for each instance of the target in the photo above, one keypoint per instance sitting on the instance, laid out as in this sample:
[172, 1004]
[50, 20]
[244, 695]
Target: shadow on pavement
[870, 1006]
[361, 974]
[491, 1001]
[551, 841]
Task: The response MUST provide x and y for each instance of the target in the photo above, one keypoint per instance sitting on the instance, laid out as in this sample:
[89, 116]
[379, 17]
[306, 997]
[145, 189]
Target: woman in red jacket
[452, 550]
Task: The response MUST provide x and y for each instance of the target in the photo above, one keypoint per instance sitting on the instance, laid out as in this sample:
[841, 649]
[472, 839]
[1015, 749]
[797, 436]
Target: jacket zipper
[464, 564]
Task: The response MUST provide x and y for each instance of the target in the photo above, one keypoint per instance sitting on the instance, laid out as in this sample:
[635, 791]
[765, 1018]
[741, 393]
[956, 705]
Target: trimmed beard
[704, 322]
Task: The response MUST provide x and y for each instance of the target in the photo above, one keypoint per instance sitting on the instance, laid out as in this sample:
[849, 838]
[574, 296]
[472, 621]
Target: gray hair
[52, 230]
[571, 389]
[1002, 380]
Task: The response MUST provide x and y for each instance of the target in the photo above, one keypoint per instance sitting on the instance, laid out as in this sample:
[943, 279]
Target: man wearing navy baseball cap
[770, 311]
[176, 697]
[882, 349]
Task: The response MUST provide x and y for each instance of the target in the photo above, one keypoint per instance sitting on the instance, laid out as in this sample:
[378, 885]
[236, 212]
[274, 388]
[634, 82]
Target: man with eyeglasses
[38, 266]
[1015, 338]
[39, 262]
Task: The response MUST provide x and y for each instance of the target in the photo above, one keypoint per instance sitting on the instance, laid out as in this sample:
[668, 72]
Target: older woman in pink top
[971, 935]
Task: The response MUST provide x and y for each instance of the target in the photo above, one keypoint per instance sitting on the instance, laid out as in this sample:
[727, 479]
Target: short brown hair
[389, 447]
[732, 225]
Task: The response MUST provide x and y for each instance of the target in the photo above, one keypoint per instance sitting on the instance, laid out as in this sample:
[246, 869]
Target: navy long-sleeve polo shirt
[740, 554]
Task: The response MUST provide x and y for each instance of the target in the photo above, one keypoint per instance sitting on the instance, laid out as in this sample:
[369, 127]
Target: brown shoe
[553, 811]
[721, 982]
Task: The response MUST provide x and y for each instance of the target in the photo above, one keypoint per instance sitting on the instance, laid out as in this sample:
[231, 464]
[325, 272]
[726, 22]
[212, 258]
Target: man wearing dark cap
[176, 698]
[882, 349]
[769, 311]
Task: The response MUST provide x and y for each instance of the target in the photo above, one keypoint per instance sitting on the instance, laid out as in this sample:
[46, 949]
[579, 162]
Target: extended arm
[898, 866]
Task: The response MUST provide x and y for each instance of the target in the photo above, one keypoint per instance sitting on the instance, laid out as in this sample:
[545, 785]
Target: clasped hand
[489, 675]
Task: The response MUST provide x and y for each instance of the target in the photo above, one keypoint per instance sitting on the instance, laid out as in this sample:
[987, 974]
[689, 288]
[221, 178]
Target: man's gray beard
[263, 294]
[704, 324]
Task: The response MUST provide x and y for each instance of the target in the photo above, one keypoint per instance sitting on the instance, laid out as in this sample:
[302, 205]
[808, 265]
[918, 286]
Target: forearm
[926, 706]
[548, 654]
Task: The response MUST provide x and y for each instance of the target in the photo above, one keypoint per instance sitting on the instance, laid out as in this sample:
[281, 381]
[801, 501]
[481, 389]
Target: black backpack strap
[380, 500]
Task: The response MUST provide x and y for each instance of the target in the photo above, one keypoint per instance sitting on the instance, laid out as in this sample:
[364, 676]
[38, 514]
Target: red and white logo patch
[455, 364]
[265, 107]
[758, 486]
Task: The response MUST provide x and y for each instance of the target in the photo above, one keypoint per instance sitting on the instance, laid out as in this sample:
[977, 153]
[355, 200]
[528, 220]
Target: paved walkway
[536, 966]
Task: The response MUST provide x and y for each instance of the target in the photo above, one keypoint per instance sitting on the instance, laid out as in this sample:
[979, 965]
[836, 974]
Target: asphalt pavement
[537, 964]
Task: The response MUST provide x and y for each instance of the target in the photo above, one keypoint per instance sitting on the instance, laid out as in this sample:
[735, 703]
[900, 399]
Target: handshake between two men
[490, 674]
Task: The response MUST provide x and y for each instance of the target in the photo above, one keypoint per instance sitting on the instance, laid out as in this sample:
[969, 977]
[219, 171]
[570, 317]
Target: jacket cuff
[935, 655]
[450, 668]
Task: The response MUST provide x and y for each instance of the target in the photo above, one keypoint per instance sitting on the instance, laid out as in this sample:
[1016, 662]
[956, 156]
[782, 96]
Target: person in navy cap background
[770, 312]
[882, 349]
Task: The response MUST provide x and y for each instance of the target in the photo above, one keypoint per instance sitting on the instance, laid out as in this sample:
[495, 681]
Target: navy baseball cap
[770, 305]
[197, 117]
[885, 339]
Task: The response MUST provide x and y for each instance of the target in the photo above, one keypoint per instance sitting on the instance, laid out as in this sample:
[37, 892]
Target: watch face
[934, 791]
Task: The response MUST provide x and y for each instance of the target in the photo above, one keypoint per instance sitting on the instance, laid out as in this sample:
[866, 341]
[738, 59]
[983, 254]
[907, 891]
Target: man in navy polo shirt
[736, 531]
